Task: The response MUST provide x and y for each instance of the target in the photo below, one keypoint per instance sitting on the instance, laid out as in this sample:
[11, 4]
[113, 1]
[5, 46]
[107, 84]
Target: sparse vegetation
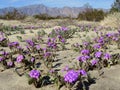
[111, 20]
[61, 53]
[92, 15]
[13, 15]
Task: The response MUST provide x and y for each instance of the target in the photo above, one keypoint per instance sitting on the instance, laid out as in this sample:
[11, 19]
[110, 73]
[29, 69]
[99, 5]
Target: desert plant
[111, 20]
[92, 15]
[13, 15]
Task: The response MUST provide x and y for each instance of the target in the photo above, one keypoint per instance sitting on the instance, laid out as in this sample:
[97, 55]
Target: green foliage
[115, 6]
[10, 30]
[4, 43]
[19, 38]
[92, 15]
[41, 33]
[113, 10]
[65, 34]
[48, 17]
[31, 31]
[43, 17]
[22, 32]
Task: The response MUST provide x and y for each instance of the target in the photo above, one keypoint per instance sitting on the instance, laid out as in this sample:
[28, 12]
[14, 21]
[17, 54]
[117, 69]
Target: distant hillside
[41, 9]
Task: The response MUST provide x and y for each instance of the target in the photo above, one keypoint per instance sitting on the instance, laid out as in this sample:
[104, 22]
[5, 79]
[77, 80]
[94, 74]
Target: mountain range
[42, 9]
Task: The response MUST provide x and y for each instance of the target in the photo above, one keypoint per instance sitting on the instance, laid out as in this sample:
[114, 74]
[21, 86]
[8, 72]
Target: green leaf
[31, 81]
[27, 75]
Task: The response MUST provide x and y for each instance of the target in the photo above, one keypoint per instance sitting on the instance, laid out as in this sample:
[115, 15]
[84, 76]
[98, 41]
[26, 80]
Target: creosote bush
[92, 15]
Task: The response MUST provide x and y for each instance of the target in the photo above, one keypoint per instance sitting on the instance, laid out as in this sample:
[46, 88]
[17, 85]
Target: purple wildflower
[38, 47]
[20, 58]
[63, 40]
[100, 40]
[1, 59]
[59, 36]
[94, 62]
[98, 54]
[19, 47]
[85, 52]
[34, 74]
[10, 64]
[30, 42]
[83, 58]
[52, 45]
[95, 30]
[52, 71]
[4, 53]
[115, 38]
[97, 46]
[2, 39]
[53, 39]
[44, 49]
[109, 35]
[13, 44]
[107, 56]
[82, 72]
[47, 54]
[64, 28]
[85, 43]
[32, 59]
[71, 76]
[66, 68]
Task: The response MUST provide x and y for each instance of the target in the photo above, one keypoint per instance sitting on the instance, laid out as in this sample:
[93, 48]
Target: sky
[106, 4]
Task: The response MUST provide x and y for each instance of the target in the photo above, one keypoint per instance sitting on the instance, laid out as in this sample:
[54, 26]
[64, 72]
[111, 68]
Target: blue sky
[57, 3]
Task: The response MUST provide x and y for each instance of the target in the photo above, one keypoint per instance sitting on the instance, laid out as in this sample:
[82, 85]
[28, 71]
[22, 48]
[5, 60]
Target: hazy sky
[57, 3]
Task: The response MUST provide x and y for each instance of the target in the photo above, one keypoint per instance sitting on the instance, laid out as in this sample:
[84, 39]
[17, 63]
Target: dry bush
[91, 14]
[30, 19]
[111, 20]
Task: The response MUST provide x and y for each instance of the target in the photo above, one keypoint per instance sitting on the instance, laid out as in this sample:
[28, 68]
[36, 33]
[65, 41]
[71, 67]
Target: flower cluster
[83, 58]
[34, 74]
[13, 44]
[71, 76]
[94, 62]
[1, 59]
[30, 42]
[85, 52]
[51, 43]
[20, 58]
[107, 56]
[98, 54]
[82, 72]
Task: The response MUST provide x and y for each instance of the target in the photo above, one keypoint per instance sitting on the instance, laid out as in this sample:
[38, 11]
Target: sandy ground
[111, 81]
[11, 81]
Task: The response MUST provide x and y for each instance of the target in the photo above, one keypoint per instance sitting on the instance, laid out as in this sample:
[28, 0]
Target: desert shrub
[30, 19]
[63, 31]
[92, 15]
[43, 17]
[13, 15]
[112, 20]
[41, 33]
[48, 17]
[9, 30]
[22, 32]
[115, 6]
